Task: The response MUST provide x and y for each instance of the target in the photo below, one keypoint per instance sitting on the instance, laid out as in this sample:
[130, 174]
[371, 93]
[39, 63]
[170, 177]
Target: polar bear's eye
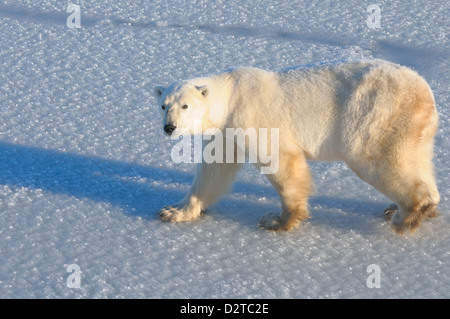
[163, 107]
[185, 106]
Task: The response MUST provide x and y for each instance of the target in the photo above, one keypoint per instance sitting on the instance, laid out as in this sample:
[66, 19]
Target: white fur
[376, 116]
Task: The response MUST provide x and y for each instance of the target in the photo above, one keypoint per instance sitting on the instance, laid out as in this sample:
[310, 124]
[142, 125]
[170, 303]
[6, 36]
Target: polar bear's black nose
[169, 128]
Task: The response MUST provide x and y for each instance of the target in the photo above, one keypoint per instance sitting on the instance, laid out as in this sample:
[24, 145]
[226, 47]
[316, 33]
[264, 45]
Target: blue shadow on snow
[115, 182]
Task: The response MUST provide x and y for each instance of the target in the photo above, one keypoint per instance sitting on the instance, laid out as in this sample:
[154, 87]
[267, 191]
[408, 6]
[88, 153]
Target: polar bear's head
[184, 107]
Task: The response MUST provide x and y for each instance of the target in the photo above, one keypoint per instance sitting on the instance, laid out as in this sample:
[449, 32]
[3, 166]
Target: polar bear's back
[341, 108]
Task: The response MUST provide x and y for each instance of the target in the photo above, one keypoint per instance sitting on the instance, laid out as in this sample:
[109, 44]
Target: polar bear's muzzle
[169, 128]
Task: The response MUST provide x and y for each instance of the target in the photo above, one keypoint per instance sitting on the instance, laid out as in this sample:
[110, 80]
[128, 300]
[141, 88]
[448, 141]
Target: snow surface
[84, 165]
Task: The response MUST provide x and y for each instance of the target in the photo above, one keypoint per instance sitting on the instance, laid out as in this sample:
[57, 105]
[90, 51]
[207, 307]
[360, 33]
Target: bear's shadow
[140, 190]
[118, 183]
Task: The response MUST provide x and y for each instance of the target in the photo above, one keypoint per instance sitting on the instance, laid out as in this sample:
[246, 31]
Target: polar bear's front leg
[210, 183]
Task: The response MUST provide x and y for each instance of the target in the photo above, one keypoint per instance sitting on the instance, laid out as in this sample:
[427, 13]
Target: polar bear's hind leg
[403, 169]
[293, 184]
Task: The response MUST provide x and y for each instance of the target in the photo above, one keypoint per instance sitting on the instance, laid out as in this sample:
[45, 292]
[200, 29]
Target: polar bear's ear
[204, 90]
[159, 90]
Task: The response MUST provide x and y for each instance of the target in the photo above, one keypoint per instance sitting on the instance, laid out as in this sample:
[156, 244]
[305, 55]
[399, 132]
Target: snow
[84, 164]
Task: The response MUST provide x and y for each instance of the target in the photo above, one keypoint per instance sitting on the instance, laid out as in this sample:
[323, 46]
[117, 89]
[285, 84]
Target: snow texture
[85, 166]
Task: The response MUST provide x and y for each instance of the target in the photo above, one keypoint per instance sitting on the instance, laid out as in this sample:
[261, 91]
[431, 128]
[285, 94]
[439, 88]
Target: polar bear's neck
[219, 99]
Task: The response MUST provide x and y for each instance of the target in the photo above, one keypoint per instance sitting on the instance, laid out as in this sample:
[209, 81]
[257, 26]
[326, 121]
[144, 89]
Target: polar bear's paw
[176, 214]
[272, 221]
[410, 221]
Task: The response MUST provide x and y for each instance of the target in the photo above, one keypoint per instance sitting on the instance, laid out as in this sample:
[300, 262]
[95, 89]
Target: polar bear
[378, 117]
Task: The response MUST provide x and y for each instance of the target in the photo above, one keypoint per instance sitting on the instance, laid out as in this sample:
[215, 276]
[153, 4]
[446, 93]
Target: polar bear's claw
[176, 214]
[168, 214]
[390, 211]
